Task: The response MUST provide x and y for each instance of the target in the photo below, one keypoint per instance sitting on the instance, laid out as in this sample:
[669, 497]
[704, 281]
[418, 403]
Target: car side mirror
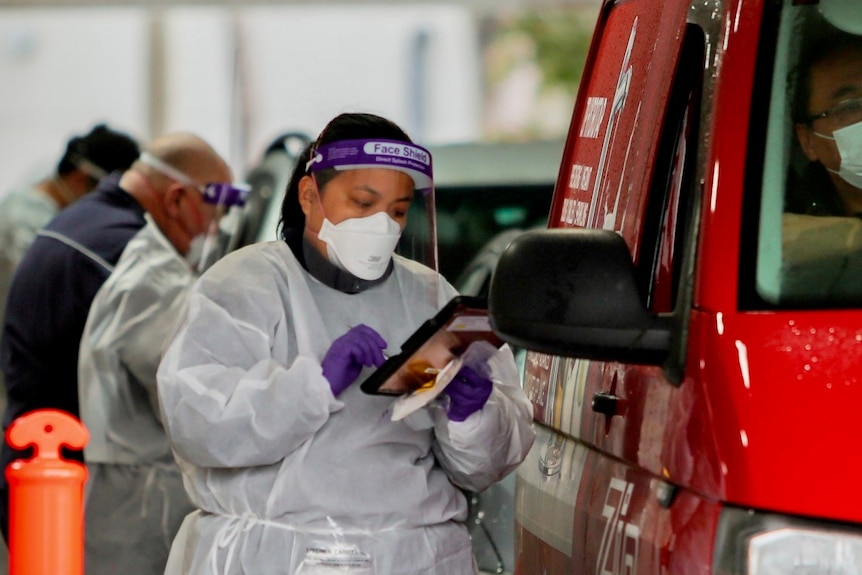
[572, 292]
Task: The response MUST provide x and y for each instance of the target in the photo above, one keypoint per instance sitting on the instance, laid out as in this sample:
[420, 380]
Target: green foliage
[561, 39]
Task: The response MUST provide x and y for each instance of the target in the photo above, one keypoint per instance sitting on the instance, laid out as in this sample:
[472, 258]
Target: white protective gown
[23, 213]
[287, 478]
[135, 500]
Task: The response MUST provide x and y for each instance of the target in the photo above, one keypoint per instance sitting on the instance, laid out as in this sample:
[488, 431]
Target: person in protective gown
[134, 496]
[25, 211]
[85, 161]
[54, 287]
[292, 467]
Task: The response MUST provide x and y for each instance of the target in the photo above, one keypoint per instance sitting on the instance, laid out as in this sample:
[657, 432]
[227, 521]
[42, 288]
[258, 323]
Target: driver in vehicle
[822, 225]
[828, 123]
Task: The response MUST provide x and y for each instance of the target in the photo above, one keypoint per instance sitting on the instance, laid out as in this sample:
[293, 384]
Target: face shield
[411, 159]
[221, 223]
[227, 198]
[420, 243]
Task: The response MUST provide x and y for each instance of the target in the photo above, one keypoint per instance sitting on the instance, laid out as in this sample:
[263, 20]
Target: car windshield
[811, 186]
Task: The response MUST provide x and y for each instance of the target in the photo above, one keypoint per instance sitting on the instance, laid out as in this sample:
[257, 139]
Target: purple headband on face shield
[411, 159]
[226, 194]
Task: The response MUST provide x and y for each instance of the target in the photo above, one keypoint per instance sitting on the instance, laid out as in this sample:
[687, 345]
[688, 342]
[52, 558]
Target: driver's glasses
[842, 114]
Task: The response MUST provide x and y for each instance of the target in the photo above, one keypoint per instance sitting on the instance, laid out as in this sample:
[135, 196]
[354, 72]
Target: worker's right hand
[468, 391]
[360, 346]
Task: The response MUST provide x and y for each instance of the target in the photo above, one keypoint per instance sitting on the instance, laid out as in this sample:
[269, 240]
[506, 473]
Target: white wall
[60, 73]
[236, 76]
[311, 64]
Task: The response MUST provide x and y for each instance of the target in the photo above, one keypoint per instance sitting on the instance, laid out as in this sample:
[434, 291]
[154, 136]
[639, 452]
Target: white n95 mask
[361, 246]
[849, 142]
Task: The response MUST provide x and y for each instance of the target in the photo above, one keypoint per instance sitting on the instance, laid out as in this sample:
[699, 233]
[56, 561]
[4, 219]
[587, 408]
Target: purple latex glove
[360, 346]
[467, 392]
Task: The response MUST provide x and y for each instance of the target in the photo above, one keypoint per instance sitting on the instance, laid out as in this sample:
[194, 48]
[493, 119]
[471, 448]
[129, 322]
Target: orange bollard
[46, 496]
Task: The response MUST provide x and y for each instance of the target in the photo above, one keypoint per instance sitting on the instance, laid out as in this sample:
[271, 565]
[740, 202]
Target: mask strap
[314, 156]
[824, 136]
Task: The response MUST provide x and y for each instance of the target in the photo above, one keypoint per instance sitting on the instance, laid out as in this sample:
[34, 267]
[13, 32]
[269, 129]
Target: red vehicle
[694, 314]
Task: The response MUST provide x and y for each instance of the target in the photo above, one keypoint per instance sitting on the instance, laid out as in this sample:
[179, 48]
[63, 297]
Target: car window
[669, 204]
[809, 231]
[468, 217]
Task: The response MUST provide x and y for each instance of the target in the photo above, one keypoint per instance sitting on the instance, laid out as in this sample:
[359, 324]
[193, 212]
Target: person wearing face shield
[292, 468]
[135, 499]
[85, 161]
[70, 259]
[25, 211]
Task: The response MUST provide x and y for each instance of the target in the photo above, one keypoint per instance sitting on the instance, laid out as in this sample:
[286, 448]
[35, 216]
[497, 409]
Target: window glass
[468, 217]
[810, 229]
[665, 224]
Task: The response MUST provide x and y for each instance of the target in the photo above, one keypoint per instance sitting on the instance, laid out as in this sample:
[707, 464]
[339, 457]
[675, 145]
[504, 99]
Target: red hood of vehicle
[784, 392]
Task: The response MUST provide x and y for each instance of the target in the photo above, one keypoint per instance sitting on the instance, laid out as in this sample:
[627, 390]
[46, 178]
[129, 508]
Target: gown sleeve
[492, 442]
[233, 390]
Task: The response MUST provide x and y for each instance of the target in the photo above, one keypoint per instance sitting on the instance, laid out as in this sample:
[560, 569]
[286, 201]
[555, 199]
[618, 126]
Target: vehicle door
[630, 166]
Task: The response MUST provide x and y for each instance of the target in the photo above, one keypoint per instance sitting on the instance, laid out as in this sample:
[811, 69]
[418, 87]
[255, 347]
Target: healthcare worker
[85, 161]
[25, 211]
[293, 468]
[70, 259]
[135, 499]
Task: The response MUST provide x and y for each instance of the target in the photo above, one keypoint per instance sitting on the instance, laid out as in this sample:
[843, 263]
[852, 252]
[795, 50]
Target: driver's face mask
[849, 142]
[362, 246]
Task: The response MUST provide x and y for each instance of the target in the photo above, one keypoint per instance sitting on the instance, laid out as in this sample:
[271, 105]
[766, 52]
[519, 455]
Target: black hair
[106, 148]
[348, 126]
[820, 42]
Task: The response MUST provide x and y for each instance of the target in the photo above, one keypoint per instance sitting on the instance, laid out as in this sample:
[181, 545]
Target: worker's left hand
[360, 346]
[467, 392]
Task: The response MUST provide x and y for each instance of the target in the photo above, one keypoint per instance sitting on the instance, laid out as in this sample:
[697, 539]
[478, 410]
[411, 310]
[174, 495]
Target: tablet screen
[439, 340]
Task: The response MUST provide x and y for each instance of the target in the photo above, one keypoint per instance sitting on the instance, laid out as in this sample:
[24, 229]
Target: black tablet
[437, 341]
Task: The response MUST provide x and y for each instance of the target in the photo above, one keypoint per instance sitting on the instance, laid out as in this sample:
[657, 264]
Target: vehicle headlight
[753, 543]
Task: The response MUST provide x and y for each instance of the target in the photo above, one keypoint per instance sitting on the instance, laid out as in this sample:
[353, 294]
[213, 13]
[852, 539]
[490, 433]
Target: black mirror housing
[572, 292]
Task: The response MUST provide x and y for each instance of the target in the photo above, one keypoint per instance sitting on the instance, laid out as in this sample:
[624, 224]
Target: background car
[485, 189]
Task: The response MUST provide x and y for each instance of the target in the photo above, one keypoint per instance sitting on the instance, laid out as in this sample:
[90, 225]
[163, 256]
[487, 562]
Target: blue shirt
[49, 300]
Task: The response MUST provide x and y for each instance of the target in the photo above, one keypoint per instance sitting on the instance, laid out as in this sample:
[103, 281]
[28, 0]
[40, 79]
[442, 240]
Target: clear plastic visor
[418, 240]
[224, 220]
